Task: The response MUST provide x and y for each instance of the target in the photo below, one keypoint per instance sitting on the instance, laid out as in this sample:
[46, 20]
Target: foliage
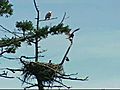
[27, 32]
[5, 8]
[24, 25]
[11, 48]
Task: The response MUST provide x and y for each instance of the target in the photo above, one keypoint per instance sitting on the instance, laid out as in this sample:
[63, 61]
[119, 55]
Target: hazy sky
[96, 49]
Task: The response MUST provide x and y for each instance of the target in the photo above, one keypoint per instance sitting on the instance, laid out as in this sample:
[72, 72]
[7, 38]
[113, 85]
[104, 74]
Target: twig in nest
[27, 82]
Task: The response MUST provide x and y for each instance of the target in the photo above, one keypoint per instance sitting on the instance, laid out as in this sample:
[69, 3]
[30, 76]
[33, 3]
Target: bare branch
[30, 86]
[49, 19]
[42, 51]
[70, 74]
[44, 86]
[13, 70]
[63, 18]
[84, 79]
[25, 81]
[2, 53]
[35, 6]
[53, 86]
[8, 30]
[10, 58]
[30, 57]
[4, 74]
[65, 54]
[62, 84]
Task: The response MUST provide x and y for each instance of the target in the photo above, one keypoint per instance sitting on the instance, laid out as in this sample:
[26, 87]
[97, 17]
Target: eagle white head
[48, 15]
[50, 12]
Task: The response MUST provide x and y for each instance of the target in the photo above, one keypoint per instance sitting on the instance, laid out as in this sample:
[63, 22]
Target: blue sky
[96, 48]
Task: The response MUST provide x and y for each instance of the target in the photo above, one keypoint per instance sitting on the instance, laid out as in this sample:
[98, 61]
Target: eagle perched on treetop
[48, 15]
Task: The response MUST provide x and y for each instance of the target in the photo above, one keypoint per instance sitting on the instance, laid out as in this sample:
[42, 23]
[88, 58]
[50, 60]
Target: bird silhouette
[48, 15]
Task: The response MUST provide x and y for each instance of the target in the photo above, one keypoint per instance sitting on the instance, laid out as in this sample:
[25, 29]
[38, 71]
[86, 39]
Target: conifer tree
[45, 73]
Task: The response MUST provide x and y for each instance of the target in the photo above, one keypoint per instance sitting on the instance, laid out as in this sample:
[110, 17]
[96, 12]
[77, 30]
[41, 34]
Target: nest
[44, 72]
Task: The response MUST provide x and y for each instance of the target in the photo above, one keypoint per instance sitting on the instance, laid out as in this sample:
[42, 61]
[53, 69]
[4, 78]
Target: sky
[96, 48]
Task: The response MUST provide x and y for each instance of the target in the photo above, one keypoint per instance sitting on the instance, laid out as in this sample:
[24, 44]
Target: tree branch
[2, 53]
[70, 74]
[30, 86]
[10, 58]
[27, 82]
[84, 79]
[4, 74]
[62, 84]
[8, 30]
[35, 6]
[13, 70]
[63, 18]
[65, 54]
[48, 19]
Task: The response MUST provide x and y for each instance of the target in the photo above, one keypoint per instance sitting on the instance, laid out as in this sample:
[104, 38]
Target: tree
[45, 73]
[5, 8]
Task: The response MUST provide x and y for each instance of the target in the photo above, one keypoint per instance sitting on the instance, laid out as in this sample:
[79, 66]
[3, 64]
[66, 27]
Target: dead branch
[2, 52]
[62, 84]
[25, 81]
[36, 7]
[12, 58]
[49, 19]
[65, 55]
[71, 35]
[30, 86]
[63, 18]
[13, 70]
[71, 74]
[84, 79]
[44, 86]
[6, 30]
[29, 57]
[4, 74]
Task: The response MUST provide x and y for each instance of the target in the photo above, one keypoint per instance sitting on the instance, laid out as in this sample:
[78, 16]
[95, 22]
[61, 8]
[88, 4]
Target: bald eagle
[48, 15]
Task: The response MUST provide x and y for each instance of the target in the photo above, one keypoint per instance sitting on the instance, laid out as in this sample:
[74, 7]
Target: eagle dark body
[48, 15]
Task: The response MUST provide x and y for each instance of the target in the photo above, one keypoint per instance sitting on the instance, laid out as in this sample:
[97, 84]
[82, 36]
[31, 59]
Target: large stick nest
[45, 72]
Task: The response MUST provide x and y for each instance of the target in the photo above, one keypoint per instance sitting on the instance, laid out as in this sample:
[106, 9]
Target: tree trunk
[40, 85]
